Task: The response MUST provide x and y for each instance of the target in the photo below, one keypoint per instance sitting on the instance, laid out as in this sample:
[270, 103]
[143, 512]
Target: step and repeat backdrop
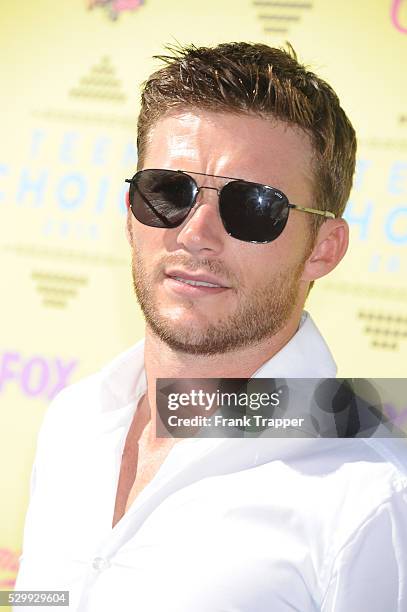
[71, 73]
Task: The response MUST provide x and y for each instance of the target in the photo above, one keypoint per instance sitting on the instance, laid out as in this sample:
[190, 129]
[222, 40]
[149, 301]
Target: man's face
[259, 285]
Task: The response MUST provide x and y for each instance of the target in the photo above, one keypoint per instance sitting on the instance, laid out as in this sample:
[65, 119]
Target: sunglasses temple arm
[322, 213]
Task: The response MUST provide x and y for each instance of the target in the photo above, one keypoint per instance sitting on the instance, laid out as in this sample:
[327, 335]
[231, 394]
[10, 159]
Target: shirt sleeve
[20, 579]
[370, 571]
[30, 523]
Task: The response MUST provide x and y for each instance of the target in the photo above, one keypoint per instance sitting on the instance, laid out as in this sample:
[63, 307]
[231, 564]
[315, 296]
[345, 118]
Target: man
[245, 166]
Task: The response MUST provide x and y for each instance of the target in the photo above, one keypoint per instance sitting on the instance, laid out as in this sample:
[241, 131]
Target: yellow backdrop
[70, 85]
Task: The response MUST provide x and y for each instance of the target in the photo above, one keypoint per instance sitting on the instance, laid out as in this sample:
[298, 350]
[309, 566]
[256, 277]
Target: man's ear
[330, 246]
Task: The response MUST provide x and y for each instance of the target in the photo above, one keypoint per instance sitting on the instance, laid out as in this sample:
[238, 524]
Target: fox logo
[395, 16]
[115, 7]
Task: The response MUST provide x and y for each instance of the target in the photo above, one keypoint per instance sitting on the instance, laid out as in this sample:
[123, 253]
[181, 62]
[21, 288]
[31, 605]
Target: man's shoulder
[373, 469]
[343, 486]
[112, 385]
[392, 453]
[365, 501]
[362, 478]
[340, 482]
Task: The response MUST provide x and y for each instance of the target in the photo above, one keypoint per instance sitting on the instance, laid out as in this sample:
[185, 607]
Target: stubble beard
[257, 317]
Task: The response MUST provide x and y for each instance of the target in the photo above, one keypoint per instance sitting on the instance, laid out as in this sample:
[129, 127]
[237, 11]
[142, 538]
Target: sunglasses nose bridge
[208, 187]
[199, 189]
[196, 204]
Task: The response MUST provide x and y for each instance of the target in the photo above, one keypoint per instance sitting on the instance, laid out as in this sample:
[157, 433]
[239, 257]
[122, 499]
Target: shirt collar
[306, 355]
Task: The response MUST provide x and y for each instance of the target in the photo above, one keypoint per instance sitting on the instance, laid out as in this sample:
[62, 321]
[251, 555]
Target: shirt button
[99, 563]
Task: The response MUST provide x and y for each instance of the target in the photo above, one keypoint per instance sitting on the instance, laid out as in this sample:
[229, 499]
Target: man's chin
[187, 339]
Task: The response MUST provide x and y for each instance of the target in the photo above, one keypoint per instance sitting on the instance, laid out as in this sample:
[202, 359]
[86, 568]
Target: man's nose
[203, 229]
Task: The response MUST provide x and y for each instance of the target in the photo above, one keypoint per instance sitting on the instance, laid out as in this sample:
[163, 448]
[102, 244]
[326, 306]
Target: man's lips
[197, 277]
[193, 284]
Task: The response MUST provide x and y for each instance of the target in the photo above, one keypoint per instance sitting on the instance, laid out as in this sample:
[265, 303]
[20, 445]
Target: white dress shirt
[226, 525]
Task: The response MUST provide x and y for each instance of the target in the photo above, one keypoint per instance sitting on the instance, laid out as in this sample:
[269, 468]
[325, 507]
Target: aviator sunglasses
[249, 211]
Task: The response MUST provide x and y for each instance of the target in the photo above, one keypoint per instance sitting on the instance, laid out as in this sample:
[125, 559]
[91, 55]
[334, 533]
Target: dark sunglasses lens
[253, 212]
[161, 198]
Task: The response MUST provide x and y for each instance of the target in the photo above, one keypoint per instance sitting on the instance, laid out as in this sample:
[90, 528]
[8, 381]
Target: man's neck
[161, 361]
